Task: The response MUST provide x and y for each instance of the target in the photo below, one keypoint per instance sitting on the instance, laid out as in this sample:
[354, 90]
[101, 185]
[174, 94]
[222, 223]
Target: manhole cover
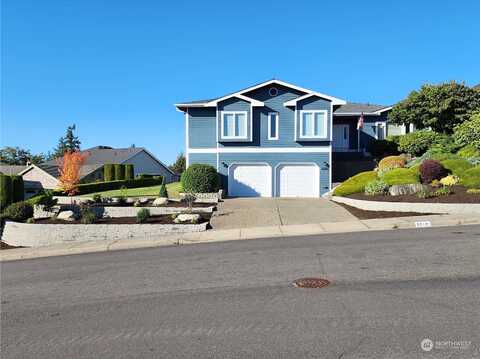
[311, 283]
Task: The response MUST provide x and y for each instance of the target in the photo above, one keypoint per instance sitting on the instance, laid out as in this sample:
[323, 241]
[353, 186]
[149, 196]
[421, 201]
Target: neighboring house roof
[98, 156]
[213, 102]
[11, 169]
[352, 108]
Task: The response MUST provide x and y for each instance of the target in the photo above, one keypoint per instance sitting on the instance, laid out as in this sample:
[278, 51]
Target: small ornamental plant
[450, 180]
[444, 191]
[69, 168]
[431, 170]
[143, 215]
[163, 190]
[376, 187]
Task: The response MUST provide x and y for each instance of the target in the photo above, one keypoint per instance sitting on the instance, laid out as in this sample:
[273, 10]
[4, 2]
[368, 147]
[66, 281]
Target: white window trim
[222, 113]
[270, 125]
[325, 112]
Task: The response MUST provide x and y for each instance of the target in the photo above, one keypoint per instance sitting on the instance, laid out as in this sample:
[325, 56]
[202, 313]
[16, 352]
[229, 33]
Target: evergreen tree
[67, 143]
[179, 166]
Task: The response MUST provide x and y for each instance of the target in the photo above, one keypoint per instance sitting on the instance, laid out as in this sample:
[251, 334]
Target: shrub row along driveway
[256, 212]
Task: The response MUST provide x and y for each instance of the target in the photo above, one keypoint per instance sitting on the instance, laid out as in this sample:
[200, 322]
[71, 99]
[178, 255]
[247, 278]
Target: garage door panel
[250, 180]
[298, 180]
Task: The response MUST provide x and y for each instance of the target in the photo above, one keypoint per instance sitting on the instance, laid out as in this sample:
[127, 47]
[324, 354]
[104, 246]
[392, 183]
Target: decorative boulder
[130, 200]
[144, 200]
[187, 218]
[161, 201]
[405, 189]
[67, 216]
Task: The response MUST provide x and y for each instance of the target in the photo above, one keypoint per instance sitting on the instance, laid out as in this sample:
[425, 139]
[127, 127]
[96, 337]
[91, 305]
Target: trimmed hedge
[200, 178]
[18, 190]
[119, 172]
[457, 167]
[113, 185]
[129, 172]
[401, 176]
[355, 184]
[6, 193]
[471, 177]
[108, 172]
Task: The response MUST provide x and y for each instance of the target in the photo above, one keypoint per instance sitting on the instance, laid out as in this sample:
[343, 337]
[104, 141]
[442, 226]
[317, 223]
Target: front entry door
[340, 137]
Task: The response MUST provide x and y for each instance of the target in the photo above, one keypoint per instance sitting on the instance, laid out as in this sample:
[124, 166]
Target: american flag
[360, 122]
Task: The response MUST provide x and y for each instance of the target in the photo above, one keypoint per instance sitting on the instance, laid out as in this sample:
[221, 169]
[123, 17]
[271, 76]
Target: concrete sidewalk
[279, 231]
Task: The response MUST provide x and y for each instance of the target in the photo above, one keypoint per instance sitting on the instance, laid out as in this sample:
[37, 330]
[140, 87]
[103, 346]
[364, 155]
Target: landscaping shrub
[108, 172]
[417, 143]
[473, 191]
[400, 176]
[6, 193]
[143, 215]
[469, 151]
[18, 212]
[376, 187]
[391, 162]
[31, 220]
[87, 216]
[468, 132]
[200, 178]
[18, 190]
[355, 184]
[97, 198]
[471, 177]
[457, 166]
[431, 170]
[450, 180]
[424, 194]
[129, 172]
[119, 172]
[163, 190]
[444, 191]
[381, 148]
[45, 199]
[113, 185]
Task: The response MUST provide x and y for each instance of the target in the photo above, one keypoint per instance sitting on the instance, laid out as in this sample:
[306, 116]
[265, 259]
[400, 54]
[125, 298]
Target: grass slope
[172, 188]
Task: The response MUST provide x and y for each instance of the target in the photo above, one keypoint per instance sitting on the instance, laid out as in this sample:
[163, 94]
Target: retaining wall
[37, 235]
[440, 208]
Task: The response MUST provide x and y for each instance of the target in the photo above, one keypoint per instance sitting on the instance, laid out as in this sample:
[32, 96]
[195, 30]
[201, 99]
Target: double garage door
[291, 180]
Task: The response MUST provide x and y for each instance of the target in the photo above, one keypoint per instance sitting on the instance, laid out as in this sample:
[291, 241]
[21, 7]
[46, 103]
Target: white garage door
[298, 180]
[246, 180]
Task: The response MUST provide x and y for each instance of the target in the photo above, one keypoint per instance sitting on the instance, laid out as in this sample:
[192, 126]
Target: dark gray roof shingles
[352, 107]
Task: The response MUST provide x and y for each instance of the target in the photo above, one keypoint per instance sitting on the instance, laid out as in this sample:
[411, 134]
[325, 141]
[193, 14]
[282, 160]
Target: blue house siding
[234, 104]
[201, 127]
[273, 159]
[203, 158]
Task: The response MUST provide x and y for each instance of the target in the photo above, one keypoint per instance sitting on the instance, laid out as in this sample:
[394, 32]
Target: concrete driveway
[255, 212]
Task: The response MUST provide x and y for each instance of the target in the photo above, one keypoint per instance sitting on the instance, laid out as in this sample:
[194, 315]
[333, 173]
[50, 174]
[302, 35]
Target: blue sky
[115, 67]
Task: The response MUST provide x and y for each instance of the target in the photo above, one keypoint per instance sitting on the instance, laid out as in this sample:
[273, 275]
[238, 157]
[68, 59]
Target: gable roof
[98, 156]
[213, 102]
[352, 108]
[11, 169]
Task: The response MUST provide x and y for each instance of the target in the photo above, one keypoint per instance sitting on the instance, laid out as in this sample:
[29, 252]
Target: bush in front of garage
[200, 178]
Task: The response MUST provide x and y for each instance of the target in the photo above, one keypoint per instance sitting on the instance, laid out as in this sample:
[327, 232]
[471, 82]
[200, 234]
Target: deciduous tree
[69, 168]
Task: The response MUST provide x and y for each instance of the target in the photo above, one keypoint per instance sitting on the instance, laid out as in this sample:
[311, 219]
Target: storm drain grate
[311, 283]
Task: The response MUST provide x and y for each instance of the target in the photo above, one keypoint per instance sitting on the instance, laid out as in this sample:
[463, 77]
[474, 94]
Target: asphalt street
[390, 291]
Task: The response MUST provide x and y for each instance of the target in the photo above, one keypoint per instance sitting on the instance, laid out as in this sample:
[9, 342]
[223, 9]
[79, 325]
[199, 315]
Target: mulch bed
[170, 204]
[459, 195]
[161, 219]
[4, 245]
[363, 214]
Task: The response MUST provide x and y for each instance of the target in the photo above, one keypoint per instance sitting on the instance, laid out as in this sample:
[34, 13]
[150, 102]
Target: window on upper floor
[273, 126]
[234, 124]
[313, 124]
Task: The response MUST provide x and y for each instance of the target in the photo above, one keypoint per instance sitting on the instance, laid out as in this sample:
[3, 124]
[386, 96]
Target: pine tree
[67, 143]
[179, 166]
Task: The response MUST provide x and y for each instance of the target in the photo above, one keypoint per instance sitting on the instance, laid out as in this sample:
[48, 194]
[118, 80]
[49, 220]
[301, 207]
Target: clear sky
[115, 67]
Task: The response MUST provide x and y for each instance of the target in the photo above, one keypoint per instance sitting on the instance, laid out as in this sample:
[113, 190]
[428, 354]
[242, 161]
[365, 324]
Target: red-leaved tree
[69, 167]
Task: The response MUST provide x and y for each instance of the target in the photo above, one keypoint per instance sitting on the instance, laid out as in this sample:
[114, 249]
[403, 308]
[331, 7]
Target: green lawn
[172, 188]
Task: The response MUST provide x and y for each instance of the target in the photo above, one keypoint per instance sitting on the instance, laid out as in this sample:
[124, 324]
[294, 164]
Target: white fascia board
[237, 95]
[356, 114]
[333, 100]
[323, 149]
[383, 110]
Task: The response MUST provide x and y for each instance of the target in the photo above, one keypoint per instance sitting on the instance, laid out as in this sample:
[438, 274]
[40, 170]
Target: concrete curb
[440, 208]
[240, 234]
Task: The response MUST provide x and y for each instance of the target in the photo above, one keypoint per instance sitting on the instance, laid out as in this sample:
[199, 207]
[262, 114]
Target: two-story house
[276, 139]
